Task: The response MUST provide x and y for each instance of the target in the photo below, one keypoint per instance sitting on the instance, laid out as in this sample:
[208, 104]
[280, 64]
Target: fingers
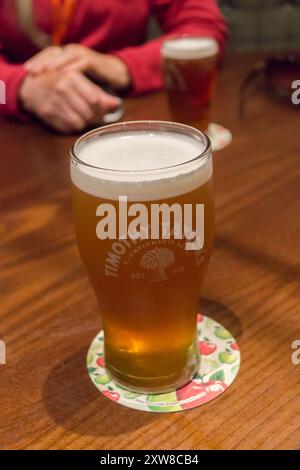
[78, 102]
[72, 121]
[39, 55]
[76, 111]
[66, 101]
[60, 125]
[84, 102]
[97, 98]
[52, 62]
[54, 58]
[44, 60]
[64, 119]
[79, 106]
[80, 65]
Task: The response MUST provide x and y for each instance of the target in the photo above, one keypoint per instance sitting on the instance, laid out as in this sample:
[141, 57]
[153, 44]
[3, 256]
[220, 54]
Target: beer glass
[135, 187]
[190, 71]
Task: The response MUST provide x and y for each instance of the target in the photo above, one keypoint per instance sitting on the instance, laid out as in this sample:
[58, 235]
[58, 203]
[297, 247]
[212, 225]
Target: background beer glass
[148, 289]
[190, 71]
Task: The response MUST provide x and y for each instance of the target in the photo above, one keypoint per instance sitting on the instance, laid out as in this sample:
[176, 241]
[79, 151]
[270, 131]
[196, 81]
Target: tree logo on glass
[157, 260]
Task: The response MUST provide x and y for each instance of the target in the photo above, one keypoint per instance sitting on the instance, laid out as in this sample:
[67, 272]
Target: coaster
[219, 136]
[219, 366]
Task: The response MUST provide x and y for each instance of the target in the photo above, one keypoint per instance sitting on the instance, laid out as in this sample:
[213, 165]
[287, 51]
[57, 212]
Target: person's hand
[100, 67]
[66, 101]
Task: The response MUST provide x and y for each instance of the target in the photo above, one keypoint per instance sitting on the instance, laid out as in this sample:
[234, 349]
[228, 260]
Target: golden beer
[190, 71]
[148, 289]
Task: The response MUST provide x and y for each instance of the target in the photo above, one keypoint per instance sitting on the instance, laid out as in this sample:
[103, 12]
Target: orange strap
[62, 15]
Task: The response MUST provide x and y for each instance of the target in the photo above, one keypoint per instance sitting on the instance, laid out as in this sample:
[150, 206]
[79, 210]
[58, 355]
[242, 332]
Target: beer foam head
[142, 165]
[190, 48]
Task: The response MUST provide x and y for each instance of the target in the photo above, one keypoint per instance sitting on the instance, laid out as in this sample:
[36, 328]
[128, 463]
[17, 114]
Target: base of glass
[155, 385]
[219, 366]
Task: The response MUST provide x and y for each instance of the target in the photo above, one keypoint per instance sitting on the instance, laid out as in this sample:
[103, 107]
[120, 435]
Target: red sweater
[111, 26]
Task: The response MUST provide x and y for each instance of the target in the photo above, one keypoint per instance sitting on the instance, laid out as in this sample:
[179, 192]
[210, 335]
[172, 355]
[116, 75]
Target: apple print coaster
[219, 136]
[219, 366]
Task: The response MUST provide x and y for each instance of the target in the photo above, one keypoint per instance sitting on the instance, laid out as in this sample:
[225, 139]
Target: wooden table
[49, 313]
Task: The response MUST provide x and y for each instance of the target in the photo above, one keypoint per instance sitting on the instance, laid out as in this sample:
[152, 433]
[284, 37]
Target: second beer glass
[190, 70]
[148, 288]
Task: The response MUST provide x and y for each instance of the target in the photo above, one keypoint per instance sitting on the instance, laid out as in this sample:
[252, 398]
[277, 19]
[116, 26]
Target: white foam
[140, 165]
[190, 48]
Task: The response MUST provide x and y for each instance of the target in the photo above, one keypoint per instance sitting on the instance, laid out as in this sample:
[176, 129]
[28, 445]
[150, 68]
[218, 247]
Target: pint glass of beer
[144, 219]
[190, 71]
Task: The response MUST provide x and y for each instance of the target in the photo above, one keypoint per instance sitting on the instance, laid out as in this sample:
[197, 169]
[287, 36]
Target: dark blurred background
[259, 25]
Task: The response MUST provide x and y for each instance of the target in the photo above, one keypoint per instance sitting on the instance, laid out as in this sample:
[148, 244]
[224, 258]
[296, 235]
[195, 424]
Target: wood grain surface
[49, 313]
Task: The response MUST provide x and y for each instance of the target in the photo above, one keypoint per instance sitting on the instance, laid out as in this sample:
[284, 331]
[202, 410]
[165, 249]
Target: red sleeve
[12, 75]
[198, 17]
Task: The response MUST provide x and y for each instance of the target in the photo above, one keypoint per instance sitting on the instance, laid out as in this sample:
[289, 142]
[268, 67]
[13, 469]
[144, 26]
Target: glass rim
[177, 37]
[145, 125]
[174, 37]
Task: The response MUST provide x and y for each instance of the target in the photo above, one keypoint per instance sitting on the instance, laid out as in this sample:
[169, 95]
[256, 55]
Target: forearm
[191, 17]
[144, 66]
[199, 17]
